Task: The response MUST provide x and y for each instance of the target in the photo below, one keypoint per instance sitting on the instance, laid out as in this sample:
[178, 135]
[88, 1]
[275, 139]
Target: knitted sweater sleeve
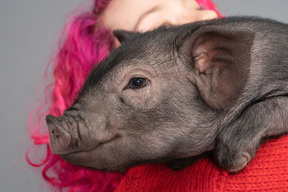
[267, 172]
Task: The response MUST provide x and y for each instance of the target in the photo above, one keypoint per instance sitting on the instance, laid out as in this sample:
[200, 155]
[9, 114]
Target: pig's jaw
[103, 157]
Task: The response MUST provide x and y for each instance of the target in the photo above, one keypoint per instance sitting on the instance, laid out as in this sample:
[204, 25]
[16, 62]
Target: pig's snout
[60, 139]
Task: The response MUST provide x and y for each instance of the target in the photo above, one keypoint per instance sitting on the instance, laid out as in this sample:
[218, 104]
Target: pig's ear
[221, 62]
[123, 35]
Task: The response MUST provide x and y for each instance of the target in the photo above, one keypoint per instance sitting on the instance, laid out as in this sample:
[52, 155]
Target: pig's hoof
[240, 163]
[237, 163]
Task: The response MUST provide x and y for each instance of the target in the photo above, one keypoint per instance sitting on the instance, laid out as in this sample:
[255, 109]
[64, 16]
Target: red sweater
[267, 172]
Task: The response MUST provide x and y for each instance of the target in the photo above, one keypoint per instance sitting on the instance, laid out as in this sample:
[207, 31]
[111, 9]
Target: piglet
[174, 93]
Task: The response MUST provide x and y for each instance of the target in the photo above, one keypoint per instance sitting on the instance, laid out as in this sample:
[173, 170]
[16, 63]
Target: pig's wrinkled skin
[177, 92]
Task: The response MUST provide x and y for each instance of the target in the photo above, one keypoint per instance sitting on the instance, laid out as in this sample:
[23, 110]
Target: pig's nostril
[54, 134]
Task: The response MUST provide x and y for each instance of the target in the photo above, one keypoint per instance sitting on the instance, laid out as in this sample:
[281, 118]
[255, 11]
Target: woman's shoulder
[268, 171]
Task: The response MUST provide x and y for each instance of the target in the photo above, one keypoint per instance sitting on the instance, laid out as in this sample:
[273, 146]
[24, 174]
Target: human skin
[145, 15]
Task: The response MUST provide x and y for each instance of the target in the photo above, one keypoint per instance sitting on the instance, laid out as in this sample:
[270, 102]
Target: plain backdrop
[29, 32]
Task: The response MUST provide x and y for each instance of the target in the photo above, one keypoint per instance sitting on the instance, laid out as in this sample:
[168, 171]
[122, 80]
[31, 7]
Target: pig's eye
[137, 83]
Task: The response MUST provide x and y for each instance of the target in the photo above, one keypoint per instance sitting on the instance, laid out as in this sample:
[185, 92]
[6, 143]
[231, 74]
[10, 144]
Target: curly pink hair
[80, 48]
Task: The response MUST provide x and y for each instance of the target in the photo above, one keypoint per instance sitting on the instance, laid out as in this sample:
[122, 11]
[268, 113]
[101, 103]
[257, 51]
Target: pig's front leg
[238, 142]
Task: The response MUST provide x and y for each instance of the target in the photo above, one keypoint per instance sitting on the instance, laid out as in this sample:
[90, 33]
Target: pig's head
[155, 98]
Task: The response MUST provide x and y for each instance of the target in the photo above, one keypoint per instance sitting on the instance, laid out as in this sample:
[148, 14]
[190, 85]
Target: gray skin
[174, 93]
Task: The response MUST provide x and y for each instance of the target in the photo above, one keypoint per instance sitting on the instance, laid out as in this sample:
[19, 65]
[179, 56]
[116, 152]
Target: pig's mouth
[77, 157]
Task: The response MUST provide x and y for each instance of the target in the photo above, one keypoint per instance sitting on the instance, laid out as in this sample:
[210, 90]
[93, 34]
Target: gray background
[29, 31]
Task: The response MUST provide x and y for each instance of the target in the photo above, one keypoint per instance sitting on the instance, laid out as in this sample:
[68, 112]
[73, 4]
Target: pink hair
[208, 5]
[81, 47]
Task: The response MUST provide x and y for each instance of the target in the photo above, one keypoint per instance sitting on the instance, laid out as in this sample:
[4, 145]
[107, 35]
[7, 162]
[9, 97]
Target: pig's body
[175, 93]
